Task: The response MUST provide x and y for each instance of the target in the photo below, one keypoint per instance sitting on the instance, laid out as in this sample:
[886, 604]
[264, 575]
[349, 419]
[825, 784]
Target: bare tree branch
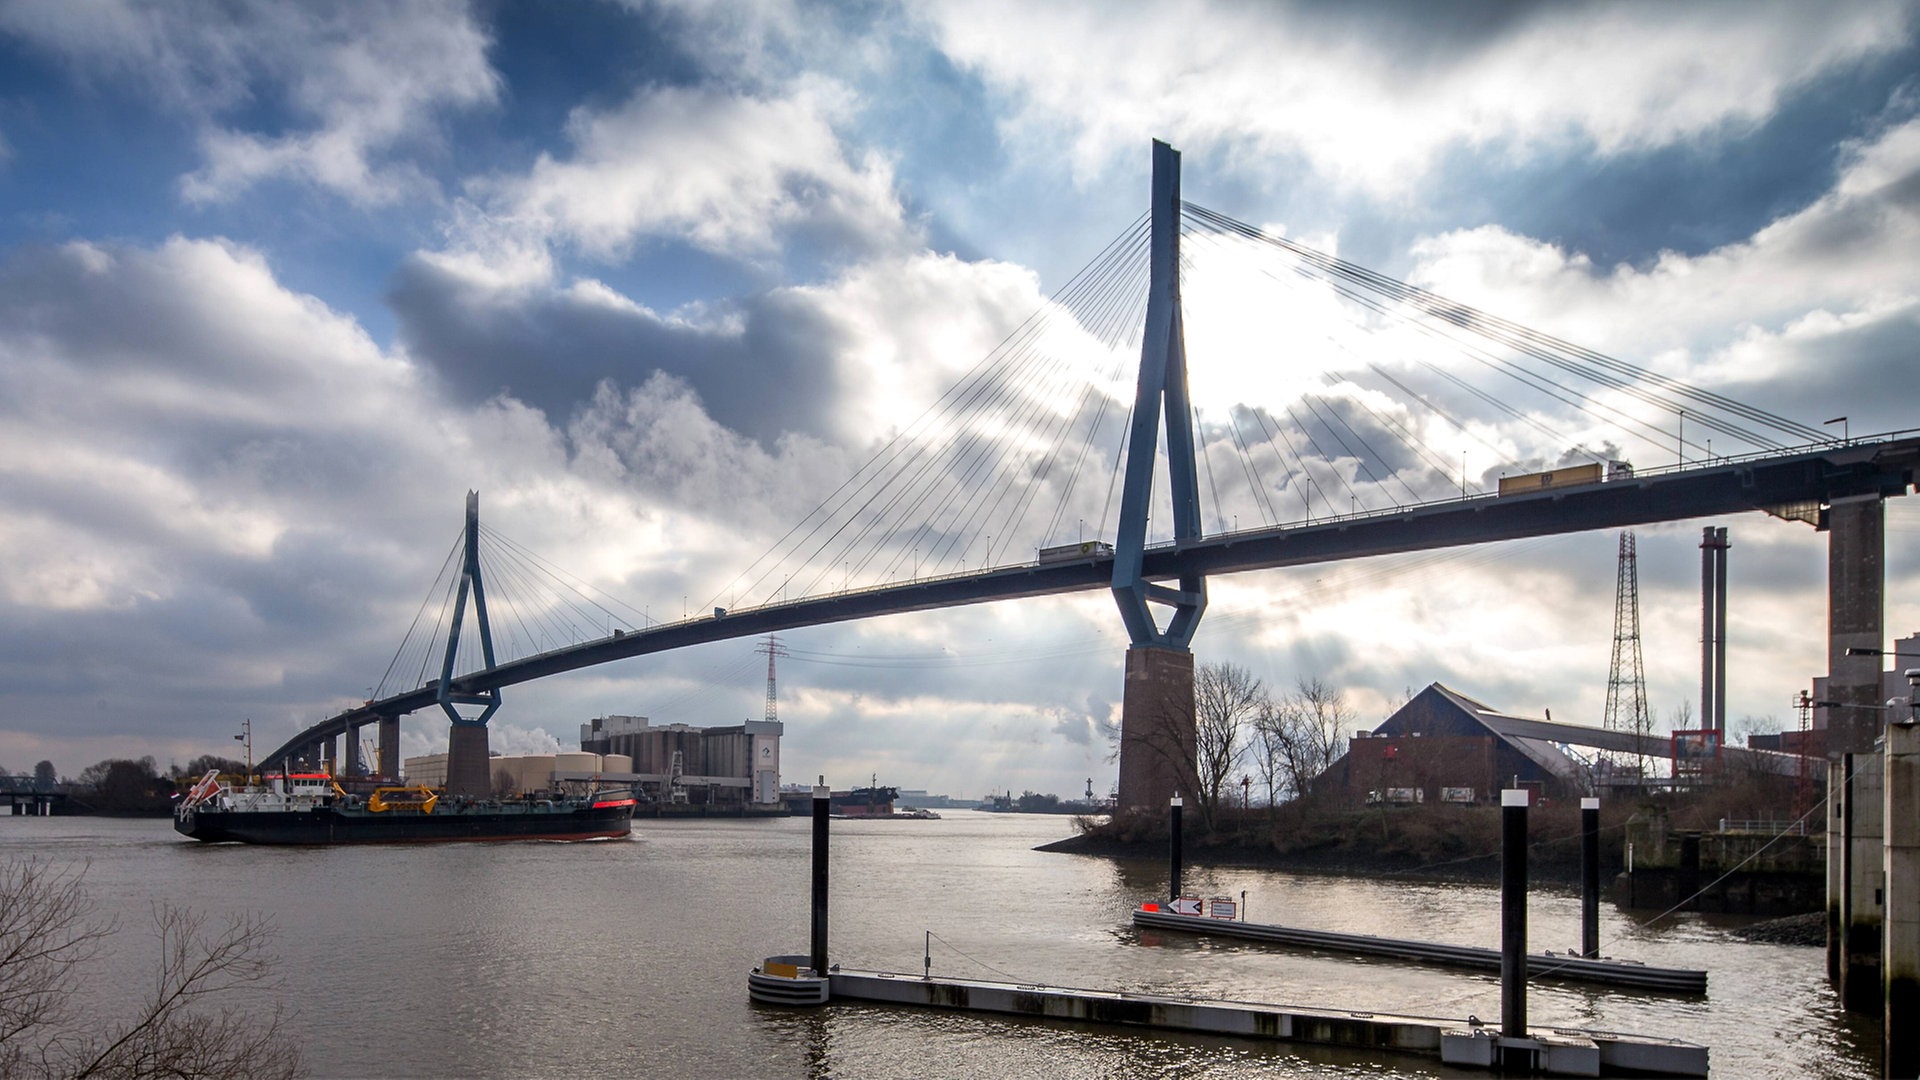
[1300, 735]
[185, 1029]
[46, 930]
[1226, 698]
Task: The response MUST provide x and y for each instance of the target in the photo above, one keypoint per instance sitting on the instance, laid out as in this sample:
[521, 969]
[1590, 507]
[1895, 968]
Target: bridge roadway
[1804, 478]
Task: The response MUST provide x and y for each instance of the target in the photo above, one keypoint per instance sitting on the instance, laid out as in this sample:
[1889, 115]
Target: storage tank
[616, 763]
[523, 772]
[576, 761]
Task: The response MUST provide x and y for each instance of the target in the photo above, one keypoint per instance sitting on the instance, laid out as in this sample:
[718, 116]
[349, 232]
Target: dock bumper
[787, 980]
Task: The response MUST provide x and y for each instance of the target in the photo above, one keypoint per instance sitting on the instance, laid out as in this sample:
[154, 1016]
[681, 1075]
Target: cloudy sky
[280, 282]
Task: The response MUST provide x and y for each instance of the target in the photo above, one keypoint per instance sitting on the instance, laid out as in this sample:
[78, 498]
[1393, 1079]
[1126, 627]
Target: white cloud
[1750, 313]
[355, 88]
[726, 173]
[1325, 87]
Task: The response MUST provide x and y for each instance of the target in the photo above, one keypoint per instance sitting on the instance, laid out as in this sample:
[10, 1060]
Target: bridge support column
[467, 761]
[1866, 888]
[1837, 794]
[329, 755]
[389, 765]
[1157, 733]
[1856, 584]
[354, 765]
[1900, 944]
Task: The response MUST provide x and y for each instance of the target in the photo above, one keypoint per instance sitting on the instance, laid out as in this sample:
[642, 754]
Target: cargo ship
[874, 801]
[311, 808]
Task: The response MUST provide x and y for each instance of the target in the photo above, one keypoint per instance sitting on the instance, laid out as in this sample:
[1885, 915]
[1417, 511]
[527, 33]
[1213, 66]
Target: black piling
[822, 803]
[1590, 878]
[1173, 847]
[1513, 914]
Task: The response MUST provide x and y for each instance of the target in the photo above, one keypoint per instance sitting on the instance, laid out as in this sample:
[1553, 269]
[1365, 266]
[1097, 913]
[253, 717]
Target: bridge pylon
[467, 750]
[1157, 740]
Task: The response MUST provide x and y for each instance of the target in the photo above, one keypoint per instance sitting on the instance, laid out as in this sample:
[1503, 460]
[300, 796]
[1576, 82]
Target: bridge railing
[1768, 827]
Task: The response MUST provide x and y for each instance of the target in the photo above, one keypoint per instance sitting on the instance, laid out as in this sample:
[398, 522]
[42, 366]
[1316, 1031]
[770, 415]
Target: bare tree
[1263, 746]
[46, 931]
[1226, 698]
[193, 1023]
[1330, 718]
[1300, 735]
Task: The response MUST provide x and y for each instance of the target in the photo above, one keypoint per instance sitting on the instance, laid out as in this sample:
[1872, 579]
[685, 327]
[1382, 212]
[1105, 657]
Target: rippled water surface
[630, 957]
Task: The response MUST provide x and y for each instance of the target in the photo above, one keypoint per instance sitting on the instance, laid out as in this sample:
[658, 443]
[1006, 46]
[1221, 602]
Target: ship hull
[327, 825]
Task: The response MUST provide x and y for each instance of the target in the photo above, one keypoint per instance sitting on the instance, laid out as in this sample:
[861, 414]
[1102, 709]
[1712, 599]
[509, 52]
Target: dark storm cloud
[1414, 32]
[164, 668]
[769, 372]
[1630, 206]
[1860, 369]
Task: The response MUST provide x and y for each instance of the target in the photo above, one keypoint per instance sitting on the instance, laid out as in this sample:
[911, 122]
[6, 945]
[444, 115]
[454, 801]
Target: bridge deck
[1813, 477]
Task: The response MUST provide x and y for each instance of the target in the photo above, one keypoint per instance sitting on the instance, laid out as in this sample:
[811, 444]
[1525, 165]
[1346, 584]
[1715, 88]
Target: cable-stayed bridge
[1382, 393]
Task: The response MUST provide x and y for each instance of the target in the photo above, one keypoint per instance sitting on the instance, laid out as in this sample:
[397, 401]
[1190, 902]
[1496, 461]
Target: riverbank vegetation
[1449, 841]
[122, 787]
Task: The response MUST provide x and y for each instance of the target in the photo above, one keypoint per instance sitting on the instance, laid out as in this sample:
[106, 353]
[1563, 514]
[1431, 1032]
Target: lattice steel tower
[772, 648]
[1627, 677]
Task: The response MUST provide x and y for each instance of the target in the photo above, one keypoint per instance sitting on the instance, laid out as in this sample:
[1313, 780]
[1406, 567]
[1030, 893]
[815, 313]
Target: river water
[630, 957]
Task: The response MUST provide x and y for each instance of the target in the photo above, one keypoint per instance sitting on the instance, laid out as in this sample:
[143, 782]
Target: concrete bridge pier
[389, 747]
[1900, 942]
[1856, 584]
[467, 761]
[330, 755]
[354, 764]
[1157, 733]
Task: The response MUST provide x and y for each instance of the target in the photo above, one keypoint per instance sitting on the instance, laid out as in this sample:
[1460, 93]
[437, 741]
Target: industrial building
[681, 764]
[723, 768]
[1443, 746]
[1895, 692]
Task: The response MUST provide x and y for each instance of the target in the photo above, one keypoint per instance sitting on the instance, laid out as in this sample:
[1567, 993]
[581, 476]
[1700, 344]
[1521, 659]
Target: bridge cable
[1249, 470]
[417, 615]
[1326, 460]
[971, 446]
[1362, 440]
[1308, 401]
[1412, 442]
[1590, 364]
[1206, 459]
[1028, 419]
[1107, 315]
[831, 509]
[909, 446]
[1585, 402]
